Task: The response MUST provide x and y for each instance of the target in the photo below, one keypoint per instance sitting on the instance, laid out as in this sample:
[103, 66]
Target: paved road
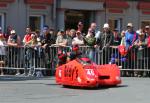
[132, 90]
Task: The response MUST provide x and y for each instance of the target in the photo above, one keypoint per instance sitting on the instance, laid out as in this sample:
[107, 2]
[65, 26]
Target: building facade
[22, 13]
[63, 14]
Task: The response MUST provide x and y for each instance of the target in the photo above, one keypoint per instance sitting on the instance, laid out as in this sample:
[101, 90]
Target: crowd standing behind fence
[39, 49]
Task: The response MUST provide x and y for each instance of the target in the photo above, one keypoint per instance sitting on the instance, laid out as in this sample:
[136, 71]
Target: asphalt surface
[45, 90]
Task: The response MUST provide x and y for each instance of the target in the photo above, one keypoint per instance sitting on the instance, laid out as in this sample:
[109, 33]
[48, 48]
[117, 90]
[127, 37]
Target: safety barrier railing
[137, 60]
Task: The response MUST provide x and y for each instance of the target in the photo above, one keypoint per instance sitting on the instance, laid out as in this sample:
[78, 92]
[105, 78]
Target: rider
[62, 58]
[75, 52]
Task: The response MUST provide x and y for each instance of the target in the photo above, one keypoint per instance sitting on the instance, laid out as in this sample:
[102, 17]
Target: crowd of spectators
[93, 38]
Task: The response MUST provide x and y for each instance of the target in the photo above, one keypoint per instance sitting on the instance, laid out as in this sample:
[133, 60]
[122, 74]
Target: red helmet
[61, 54]
[75, 48]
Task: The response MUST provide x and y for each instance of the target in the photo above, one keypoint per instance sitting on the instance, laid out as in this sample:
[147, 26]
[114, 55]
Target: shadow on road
[95, 88]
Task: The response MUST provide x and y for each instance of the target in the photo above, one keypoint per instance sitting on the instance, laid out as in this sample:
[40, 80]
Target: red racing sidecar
[83, 72]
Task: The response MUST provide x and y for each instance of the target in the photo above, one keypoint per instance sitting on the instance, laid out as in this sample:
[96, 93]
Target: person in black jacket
[105, 40]
[47, 40]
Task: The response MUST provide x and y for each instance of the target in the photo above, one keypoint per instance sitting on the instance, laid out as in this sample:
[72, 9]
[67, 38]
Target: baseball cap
[147, 27]
[13, 32]
[106, 25]
[129, 25]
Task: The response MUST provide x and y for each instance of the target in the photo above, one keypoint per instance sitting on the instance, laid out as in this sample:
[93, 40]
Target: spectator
[106, 37]
[130, 35]
[105, 40]
[53, 35]
[31, 53]
[27, 36]
[8, 33]
[147, 30]
[115, 44]
[37, 34]
[14, 42]
[61, 39]
[46, 41]
[148, 45]
[116, 38]
[90, 40]
[95, 29]
[140, 44]
[2, 52]
[80, 28]
[130, 38]
[70, 37]
[148, 37]
[78, 40]
[123, 42]
[46, 38]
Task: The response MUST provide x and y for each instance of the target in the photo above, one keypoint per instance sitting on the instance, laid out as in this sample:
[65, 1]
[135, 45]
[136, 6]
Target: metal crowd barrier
[135, 63]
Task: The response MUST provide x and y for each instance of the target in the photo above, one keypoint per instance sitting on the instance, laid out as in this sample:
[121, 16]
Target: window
[36, 22]
[115, 24]
[2, 21]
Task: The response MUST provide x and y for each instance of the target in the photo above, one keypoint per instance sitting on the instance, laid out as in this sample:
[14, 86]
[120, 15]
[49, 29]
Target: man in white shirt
[78, 40]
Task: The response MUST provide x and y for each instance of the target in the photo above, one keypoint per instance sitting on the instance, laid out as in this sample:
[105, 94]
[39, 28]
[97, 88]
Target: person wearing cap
[78, 39]
[130, 35]
[105, 41]
[139, 47]
[14, 42]
[106, 37]
[147, 31]
[141, 41]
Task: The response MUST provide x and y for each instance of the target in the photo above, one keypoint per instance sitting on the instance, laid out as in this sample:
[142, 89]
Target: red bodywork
[87, 74]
